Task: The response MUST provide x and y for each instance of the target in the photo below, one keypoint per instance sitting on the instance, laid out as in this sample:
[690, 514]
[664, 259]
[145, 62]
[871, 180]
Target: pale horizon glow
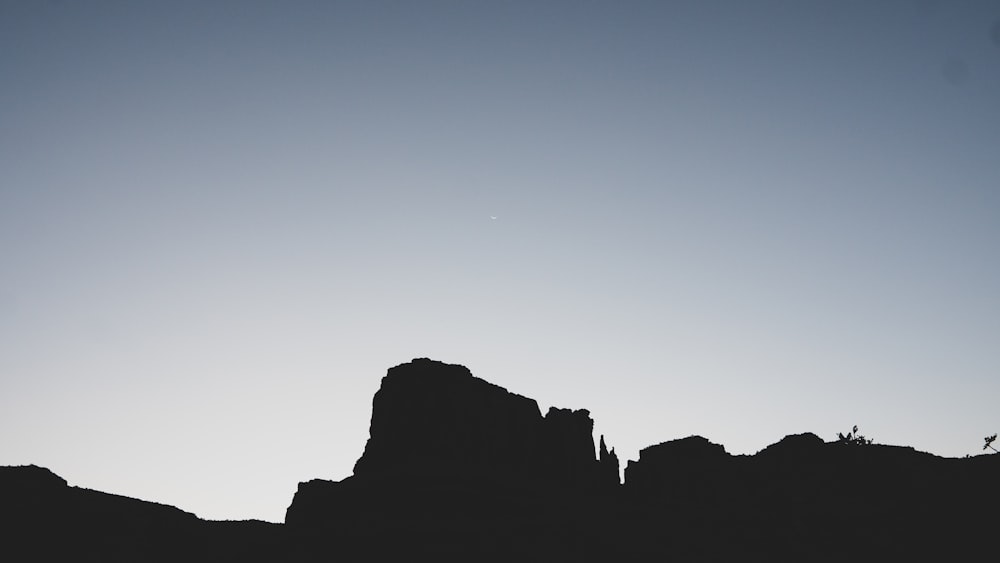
[222, 222]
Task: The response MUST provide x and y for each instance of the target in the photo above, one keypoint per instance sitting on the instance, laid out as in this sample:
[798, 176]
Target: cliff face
[433, 419]
[438, 433]
[436, 421]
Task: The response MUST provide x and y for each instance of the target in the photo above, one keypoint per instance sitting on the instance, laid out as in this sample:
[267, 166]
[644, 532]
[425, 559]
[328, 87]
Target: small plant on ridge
[989, 443]
[853, 437]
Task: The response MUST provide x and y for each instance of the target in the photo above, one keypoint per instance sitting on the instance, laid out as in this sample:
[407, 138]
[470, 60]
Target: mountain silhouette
[44, 519]
[457, 468]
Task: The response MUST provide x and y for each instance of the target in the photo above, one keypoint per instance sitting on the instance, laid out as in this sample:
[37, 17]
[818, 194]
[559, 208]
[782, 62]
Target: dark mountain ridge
[459, 468]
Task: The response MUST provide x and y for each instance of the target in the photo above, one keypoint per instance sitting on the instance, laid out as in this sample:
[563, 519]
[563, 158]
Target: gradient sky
[221, 222]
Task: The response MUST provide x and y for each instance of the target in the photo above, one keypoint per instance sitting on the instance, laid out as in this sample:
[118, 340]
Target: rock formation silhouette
[44, 519]
[608, 465]
[457, 468]
[445, 442]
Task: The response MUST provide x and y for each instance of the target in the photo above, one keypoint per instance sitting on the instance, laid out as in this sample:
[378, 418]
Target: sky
[222, 222]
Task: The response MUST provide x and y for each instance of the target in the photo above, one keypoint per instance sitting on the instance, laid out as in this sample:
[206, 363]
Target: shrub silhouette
[853, 438]
[989, 443]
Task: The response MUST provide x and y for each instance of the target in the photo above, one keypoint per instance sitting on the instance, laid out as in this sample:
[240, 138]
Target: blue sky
[221, 222]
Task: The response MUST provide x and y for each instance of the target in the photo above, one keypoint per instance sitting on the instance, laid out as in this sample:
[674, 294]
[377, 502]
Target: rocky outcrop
[30, 491]
[442, 441]
[793, 446]
[38, 507]
[433, 419]
[608, 462]
[27, 480]
[676, 464]
[565, 450]
[42, 518]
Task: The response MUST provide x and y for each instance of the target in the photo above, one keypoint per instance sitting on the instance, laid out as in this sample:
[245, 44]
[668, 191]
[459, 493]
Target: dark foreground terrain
[460, 469]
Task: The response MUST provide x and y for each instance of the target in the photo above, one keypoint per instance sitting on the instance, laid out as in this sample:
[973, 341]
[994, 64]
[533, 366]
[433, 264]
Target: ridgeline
[457, 468]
